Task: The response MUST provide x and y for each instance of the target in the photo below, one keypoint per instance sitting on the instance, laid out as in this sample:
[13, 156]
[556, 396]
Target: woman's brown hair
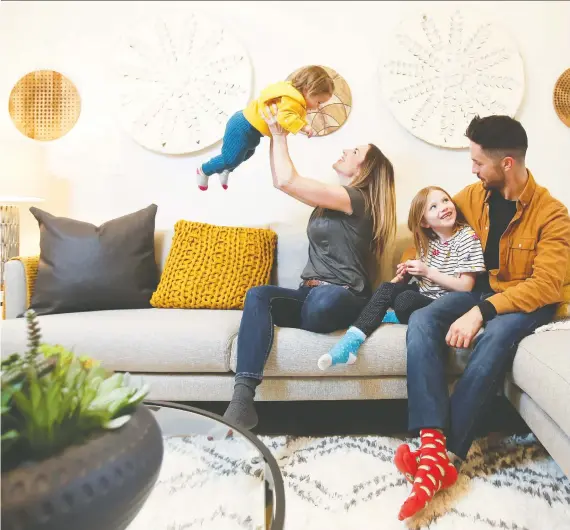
[423, 235]
[376, 180]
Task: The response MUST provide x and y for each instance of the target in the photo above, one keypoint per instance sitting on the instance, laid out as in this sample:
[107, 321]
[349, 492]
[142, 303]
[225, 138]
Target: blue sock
[390, 317]
[344, 351]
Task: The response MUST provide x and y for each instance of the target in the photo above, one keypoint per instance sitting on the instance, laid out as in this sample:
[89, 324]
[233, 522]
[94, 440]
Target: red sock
[435, 472]
[407, 461]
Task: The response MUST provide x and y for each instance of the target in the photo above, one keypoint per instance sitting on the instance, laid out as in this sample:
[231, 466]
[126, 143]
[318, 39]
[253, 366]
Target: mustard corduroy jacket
[534, 251]
[291, 105]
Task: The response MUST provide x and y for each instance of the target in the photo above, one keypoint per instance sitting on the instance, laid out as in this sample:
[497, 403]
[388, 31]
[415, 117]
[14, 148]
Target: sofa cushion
[542, 369]
[138, 340]
[212, 267]
[550, 434]
[84, 267]
[295, 353]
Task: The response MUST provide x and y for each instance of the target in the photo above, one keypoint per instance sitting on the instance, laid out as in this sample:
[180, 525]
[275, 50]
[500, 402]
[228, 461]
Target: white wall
[97, 172]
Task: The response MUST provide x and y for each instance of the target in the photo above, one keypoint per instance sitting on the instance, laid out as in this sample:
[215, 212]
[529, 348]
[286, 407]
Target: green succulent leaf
[112, 400]
[110, 384]
[10, 435]
[139, 395]
[117, 422]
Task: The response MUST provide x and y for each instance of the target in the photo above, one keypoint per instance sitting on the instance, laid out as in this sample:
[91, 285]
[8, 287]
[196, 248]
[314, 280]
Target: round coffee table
[209, 479]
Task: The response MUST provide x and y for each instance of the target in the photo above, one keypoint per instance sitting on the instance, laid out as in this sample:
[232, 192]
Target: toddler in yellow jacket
[310, 87]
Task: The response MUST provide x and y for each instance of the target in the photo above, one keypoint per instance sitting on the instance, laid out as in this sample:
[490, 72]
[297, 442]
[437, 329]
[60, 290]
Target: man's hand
[463, 330]
[269, 116]
[416, 267]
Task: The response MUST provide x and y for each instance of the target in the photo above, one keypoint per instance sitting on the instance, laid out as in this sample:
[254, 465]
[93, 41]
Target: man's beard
[489, 185]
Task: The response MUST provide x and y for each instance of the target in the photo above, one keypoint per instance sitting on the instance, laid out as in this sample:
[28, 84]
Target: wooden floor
[382, 417]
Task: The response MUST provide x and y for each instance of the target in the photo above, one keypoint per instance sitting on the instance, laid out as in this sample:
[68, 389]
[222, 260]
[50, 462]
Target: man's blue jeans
[321, 309]
[429, 404]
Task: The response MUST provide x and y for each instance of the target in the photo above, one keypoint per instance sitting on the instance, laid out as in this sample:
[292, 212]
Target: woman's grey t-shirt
[340, 246]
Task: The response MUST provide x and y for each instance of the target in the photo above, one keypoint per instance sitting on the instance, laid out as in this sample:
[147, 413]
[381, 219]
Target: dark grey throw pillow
[84, 267]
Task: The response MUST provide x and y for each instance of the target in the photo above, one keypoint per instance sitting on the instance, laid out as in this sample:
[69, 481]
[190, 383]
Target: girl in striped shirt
[449, 257]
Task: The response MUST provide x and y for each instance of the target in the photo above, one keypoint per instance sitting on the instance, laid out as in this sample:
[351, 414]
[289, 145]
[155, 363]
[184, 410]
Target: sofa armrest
[19, 278]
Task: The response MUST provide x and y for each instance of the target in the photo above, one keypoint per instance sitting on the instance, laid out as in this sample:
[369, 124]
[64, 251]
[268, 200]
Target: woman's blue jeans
[321, 309]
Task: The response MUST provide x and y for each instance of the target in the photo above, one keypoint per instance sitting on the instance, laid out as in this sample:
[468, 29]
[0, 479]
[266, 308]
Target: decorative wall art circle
[181, 78]
[331, 116]
[444, 67]
[44, 105]
[562, 97]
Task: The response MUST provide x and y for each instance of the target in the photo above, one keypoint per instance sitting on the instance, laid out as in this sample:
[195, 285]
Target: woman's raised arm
[287, 179]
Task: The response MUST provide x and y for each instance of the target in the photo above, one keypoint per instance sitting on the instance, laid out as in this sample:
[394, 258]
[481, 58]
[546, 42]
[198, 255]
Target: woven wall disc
[331, 116]
[44, 105]
[446, 64]
[180, 79]
[562, 97]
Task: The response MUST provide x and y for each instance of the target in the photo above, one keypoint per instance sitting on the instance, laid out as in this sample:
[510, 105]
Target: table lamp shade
[22, 180]
[22, 171]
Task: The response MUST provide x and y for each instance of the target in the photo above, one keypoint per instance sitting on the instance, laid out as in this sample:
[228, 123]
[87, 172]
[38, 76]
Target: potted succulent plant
[79, 450]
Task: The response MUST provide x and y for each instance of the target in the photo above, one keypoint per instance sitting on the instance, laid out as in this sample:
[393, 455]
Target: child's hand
[416, 267]
[399, 278]
[401, 269]
[401, 274]
[309, 131]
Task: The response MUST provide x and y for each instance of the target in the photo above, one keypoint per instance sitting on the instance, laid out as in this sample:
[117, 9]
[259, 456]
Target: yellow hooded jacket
[291, 105]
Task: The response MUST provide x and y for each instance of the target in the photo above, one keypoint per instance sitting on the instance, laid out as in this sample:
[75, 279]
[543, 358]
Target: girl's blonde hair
[314, 80]
[376, 180]
[423, 235]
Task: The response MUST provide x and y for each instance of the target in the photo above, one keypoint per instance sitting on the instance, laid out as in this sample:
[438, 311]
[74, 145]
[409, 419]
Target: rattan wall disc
[562, 97]
[44, 105]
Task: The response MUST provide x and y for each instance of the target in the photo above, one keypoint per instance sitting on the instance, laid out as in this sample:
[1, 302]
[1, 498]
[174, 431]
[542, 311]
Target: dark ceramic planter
[99, 485]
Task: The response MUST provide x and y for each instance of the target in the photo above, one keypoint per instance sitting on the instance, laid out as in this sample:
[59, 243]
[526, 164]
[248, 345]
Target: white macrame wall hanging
[443, 67]
[180, 78]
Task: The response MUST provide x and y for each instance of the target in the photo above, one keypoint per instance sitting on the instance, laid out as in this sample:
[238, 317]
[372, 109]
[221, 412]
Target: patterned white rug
[342, 483]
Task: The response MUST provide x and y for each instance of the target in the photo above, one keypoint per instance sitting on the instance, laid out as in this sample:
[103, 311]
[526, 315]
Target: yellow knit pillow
[212, 267]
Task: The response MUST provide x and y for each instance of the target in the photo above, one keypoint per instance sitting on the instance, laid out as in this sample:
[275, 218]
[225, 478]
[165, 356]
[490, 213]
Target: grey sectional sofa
[189, 355]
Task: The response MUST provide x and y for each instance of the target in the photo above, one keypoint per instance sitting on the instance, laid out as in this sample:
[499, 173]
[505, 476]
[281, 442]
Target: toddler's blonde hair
[313, 80]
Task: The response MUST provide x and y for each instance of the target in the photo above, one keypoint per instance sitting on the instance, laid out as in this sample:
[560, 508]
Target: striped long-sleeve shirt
[461, 253]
